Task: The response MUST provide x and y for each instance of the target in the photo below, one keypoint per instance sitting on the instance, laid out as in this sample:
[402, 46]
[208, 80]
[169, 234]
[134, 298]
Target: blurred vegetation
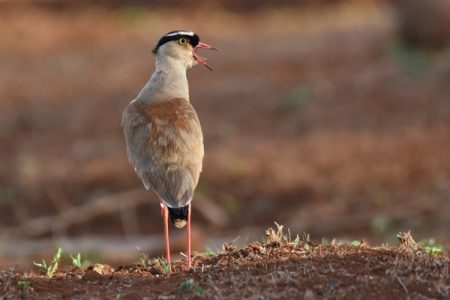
[413, 60]
[295, 98]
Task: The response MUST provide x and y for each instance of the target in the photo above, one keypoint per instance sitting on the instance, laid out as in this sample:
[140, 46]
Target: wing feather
[165, 146]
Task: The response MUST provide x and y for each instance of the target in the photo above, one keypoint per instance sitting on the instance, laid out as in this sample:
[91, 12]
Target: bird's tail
[179, 215]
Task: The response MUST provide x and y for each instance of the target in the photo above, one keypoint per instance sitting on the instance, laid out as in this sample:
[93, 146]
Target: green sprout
[78, 263]
[23, 284]
[164, 265]
[431, 246]
[144, 259]
[355, 243]
[49, 270]
[208, 252]
[190, 285]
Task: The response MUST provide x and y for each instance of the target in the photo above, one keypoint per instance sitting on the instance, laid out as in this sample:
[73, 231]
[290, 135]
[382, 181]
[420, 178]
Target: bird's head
[182, 46]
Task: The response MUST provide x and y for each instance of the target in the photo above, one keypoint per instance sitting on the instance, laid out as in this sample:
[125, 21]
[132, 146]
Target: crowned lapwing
[163, 135]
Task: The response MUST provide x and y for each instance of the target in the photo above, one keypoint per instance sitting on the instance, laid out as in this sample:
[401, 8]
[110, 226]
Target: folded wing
[165, 146]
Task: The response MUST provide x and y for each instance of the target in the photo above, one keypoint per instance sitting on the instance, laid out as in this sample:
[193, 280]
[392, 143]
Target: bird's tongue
[200, 59]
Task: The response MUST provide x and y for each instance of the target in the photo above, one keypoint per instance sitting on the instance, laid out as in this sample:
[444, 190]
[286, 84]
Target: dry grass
[280, 267]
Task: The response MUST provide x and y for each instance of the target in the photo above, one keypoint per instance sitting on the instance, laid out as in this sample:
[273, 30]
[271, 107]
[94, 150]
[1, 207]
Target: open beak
[200, 59]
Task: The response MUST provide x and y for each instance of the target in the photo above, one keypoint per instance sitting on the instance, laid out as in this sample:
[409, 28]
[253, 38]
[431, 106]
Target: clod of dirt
[98, 272]
[92, 276]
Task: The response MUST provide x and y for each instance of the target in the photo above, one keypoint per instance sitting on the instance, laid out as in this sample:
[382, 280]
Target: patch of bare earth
[279, 268]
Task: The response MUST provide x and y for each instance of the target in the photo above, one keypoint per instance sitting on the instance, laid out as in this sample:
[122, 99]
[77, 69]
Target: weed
[78, 263]
[427, 245]
[144, 259]
[42, 266]
[433, 250]
[164, 265]
[23, 284]
[355, 243]
[208, 252]
[118, 297]
[190, 285]
[431, 246]
[326, 242]
[49, 270]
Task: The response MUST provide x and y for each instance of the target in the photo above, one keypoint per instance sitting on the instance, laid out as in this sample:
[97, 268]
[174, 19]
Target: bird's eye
[182, 41]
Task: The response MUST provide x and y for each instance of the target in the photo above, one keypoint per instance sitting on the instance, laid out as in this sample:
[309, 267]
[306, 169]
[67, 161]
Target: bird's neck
[168, 81]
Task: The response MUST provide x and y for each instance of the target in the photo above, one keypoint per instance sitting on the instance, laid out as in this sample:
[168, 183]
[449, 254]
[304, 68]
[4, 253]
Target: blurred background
[329, 117]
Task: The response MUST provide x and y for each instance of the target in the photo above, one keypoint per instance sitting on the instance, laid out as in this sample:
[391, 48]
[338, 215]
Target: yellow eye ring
[182, 41]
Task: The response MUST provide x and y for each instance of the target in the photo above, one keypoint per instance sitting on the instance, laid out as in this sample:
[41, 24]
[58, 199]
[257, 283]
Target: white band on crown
[181, 32]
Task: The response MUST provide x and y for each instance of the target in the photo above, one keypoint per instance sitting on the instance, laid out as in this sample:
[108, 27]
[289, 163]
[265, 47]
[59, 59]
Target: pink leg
[165, 216]
[188, 229]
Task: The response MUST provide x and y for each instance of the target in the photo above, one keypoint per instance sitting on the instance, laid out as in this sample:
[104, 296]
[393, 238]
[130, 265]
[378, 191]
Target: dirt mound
[279, 268]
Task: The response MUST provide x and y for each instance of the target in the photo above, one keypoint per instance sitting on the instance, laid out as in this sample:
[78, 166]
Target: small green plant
[431, 246]
[327, 242]
[190, 285]
[208, 252]
[355, 243]
[164, 265]
[433, 250]
[78, 263]
[118, 297]
[144, 259]
[42, 266]
[49, 270]
[23, 284]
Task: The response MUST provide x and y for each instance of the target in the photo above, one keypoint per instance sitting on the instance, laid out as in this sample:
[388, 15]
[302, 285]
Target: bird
[163, 136]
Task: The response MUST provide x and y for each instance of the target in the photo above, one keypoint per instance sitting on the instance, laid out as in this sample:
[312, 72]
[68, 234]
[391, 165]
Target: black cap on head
[191, 37]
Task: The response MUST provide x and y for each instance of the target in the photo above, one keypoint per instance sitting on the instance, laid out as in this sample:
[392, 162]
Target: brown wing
[165, 146]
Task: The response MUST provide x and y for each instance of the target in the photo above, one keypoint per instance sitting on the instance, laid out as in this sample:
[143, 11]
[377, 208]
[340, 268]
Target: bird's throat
[166, 83]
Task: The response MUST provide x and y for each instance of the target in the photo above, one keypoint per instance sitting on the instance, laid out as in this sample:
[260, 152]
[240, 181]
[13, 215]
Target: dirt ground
[320, 118]
[280, 268]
